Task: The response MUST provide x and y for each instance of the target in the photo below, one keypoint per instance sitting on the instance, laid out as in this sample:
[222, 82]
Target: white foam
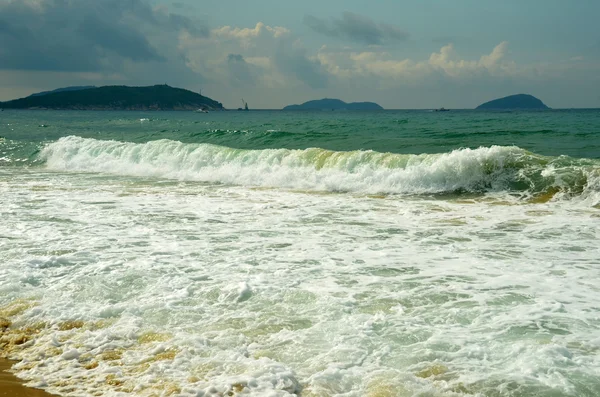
[70, 354]
[212, 289]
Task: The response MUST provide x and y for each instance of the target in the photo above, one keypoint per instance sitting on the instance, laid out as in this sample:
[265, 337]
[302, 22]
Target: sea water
[393, 253]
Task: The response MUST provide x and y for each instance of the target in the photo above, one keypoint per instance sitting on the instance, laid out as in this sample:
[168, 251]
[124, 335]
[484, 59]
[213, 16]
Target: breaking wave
[495, 168]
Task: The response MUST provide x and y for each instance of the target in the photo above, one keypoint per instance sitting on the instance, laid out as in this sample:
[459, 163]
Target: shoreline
[11, 386]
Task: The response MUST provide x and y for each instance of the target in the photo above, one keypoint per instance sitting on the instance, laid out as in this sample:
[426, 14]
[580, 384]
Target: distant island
[74, 88]
[334, 104]
[520, 101]
[157, 97]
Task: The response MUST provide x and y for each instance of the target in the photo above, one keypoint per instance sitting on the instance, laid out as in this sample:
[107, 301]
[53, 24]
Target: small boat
[245, 108]
[442, 110]
[201, 111]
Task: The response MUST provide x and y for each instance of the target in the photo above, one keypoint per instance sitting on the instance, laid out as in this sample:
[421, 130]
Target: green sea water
[271, 253]
[571, 133]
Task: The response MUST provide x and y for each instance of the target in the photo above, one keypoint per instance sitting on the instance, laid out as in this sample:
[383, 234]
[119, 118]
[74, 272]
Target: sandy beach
[13, 386]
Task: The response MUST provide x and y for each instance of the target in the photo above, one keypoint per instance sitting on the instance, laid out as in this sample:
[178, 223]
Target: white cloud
[272, 54]
[248, 34]
[493, 64]
[347, 64]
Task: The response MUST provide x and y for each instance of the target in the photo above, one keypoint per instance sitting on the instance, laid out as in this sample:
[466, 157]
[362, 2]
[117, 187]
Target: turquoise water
[392, 253]
[552, 133]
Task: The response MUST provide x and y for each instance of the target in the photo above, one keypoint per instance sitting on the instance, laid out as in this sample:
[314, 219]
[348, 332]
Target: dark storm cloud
[235, 58]
[294, 61]
[241, 72]
[196, 28]
[118, 38]
[82, 35]
[356, 28]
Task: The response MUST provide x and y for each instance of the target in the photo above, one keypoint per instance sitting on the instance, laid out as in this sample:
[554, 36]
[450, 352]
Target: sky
[402, 54]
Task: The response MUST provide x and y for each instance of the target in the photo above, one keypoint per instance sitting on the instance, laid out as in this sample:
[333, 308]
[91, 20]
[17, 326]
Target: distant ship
[442, 110]
[245, 108]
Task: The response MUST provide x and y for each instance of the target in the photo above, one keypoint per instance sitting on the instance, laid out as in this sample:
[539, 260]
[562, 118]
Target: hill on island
[520, 101]
[334, 104]
[157, 97]
[73, 88]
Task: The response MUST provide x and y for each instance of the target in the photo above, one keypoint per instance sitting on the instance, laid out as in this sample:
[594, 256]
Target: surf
[484, 169]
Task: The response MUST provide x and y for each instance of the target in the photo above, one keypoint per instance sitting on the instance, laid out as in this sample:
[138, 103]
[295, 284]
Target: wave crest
[495, 168]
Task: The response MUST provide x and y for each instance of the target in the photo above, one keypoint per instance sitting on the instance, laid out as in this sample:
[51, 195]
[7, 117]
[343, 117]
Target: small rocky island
[520, 101]
[157, 97]
[334, 104]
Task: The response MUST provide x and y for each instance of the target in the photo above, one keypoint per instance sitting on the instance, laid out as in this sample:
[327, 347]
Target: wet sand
[11, 386]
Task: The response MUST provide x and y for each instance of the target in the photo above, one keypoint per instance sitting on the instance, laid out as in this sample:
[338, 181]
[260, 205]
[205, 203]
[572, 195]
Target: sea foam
[117, 287]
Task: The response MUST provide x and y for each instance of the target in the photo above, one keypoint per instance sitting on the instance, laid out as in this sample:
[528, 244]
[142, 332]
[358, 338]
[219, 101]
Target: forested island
[519, 101]
[157, 97]
[334, 104]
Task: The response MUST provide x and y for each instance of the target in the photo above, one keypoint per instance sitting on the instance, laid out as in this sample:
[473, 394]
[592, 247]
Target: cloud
[445, 63]
[251, 33]
[241, 73]
[118, 38]
[257, 38]
[492, 64]
[180, 5]
[357, 28]
[62, 35]
[244, 56]
[293, 60]
[235, 58]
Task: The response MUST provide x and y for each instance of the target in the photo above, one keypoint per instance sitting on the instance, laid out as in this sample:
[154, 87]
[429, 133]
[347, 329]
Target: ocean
[270, 253]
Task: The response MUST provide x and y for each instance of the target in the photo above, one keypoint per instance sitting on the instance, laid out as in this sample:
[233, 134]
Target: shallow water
[156, 265]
